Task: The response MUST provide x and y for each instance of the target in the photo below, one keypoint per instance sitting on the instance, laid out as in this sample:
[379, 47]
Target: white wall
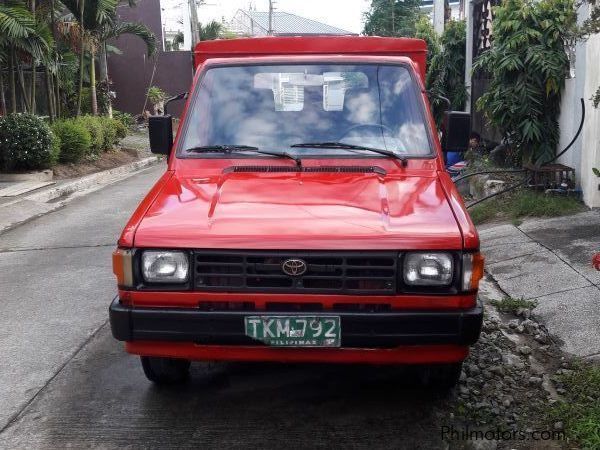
[590, 156]
[585, 152]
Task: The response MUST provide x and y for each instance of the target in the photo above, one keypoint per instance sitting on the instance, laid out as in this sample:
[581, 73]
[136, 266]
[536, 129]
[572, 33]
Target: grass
[524, 203]
[580, 409]
[511, 305]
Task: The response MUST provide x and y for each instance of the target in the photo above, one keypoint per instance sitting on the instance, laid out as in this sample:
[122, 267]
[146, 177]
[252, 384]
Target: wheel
[165, 370]
[441, 377]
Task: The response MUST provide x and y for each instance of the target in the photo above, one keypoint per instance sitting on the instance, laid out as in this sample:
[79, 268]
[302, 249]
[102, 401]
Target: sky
[345, 14]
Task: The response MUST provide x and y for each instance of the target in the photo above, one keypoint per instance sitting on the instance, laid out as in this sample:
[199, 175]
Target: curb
[31, 207]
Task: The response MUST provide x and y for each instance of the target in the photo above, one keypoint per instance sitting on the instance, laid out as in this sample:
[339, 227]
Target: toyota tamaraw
[305, 216]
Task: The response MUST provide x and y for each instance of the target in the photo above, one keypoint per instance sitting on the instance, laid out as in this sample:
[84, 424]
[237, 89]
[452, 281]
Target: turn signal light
[122, 267]
[472, 270]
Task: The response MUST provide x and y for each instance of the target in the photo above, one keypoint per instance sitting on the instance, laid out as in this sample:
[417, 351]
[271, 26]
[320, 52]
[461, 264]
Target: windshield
[286, 107]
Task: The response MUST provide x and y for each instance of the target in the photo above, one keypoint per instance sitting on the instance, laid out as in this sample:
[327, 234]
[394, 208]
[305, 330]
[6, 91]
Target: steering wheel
[366, 125]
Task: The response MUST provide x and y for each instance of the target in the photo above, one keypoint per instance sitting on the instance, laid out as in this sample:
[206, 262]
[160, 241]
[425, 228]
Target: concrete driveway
[549, 261]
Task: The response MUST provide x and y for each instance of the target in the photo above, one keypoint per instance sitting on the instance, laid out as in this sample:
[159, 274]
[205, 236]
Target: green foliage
[424, 30]
[527, 66]
[393, 18]
[580, 408]
[212, 30]
[55, 148]
[125, 118]
[446, 72]
[524, 203]
[120, 129]
[110, 132]
[596, 171]
[96, 130]
[156, 95]
[596, 98]
[75, 140]
[512, 305]
[25, 143]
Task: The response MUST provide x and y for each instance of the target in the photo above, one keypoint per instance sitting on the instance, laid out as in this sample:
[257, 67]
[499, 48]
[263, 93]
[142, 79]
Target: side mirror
[456, 131]
[160, 130]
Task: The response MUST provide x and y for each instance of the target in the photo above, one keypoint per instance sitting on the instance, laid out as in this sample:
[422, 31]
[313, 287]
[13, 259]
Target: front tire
[165, 370]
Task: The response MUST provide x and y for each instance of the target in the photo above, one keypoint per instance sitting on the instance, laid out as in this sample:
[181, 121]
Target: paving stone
[499, 253]
[501, 235]
[574, 317]
[531, 276]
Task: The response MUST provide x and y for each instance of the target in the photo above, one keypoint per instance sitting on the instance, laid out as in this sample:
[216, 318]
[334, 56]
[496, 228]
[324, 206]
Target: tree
[527, 66]
[23, 40]
[446, 71]
[97, 22]
[424, 30]
[212, 30]
[392, 18]
[114, 29]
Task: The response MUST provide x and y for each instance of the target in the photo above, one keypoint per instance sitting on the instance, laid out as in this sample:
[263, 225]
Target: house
[256, 23]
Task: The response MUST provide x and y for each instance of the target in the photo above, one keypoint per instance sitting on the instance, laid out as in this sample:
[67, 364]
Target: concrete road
[64, 382]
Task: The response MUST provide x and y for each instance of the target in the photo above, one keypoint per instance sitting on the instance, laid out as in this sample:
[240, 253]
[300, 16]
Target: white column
[469, 53]
[438, 16]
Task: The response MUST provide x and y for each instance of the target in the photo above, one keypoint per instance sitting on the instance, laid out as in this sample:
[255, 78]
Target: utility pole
[194, 22]
[270, 18]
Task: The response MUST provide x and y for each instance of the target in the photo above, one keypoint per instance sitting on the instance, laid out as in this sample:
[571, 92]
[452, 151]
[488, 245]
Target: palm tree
[112, 30]
[21, 36]
[97, 22]
[210, 31]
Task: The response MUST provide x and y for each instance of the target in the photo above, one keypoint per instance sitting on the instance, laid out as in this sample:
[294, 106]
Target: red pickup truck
[305, 216]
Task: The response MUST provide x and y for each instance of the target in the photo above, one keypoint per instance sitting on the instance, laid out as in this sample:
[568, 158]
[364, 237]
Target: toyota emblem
[294, 267]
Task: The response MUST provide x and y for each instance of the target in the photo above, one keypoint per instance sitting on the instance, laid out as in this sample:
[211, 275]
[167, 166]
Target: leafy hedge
[96, 129]
[26, 143]
[75, 139]
[87, 136]
[125, 118]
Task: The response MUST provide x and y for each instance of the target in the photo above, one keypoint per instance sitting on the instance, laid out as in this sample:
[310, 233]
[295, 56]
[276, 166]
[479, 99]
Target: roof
[309, 46]
[285, 23]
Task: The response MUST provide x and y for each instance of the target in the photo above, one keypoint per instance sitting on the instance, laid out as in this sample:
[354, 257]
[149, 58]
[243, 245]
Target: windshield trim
[180, 151]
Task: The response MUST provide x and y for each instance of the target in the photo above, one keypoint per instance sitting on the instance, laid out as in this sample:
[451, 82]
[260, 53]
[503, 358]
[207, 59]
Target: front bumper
[360, 330]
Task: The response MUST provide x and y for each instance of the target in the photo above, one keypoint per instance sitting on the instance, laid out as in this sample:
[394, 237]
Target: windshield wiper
[341, 145]
[242, 148]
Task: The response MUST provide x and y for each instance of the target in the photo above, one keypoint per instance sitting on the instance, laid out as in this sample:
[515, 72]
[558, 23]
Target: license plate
[295, 331]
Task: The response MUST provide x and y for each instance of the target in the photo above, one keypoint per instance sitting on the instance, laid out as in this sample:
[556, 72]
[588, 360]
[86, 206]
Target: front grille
[327, 272]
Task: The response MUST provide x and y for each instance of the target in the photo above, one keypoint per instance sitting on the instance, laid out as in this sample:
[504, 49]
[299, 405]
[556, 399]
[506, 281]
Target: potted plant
[157, 97]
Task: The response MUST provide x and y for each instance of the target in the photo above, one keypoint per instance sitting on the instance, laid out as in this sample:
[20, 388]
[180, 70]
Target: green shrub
[55, 148]
[96, 129]
[110, 133]
[25, 143]
[125, 118]
[75, 139]
[120, 129]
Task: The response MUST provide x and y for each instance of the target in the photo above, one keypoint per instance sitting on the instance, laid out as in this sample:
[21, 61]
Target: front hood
[353, 211]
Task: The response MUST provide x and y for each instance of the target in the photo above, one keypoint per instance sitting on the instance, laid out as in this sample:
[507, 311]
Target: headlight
[428, 269]
[165, 266]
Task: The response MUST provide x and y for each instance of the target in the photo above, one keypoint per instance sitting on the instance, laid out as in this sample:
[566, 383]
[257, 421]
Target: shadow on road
[101, 398]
